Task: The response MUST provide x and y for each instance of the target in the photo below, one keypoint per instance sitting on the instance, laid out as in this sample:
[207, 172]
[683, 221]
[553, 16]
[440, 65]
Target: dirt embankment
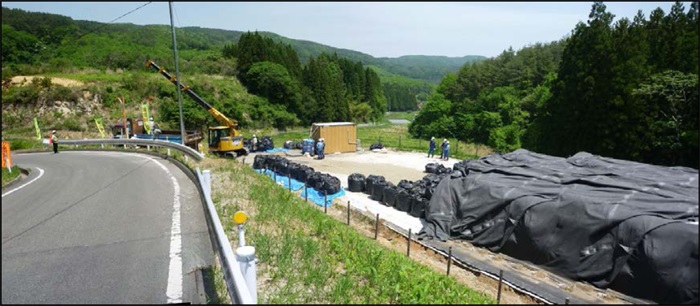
[22, 80]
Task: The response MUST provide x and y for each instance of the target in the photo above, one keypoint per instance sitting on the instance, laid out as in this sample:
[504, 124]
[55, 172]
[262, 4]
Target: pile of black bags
[406, 196]
[266, 144]
[377, 145]
[322, 182]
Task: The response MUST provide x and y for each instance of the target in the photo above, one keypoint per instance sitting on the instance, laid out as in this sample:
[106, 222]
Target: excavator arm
[221, 118]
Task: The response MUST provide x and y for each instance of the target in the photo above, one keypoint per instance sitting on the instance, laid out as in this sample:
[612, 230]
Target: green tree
[672, 101]
[273, 82]
[434, 120]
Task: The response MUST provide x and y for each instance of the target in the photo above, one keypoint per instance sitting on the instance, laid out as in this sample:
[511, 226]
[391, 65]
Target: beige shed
[339, 136]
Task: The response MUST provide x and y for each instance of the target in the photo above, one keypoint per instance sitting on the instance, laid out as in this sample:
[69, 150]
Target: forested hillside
[39, 33]
[627, 90]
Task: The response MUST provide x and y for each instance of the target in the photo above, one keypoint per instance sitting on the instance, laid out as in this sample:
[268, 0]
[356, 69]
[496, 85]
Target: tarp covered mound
[617, 224]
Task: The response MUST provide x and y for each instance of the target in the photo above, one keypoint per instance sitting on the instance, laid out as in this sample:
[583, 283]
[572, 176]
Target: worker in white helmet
[254, 142]
[320, 146]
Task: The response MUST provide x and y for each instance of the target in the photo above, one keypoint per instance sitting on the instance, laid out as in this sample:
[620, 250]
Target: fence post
[408, 245]
[306, 193]
[399, 142]
[325, 199]
[500, 283]
[348, 212]
[376, 227]
[449, 260]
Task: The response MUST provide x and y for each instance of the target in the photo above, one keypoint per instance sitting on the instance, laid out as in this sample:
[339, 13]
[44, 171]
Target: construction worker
[447, 150]
[254, 142]
[442, 148]
[320, 145]
[54, 141]
[151, 124]
[431, 148]
[156, 130]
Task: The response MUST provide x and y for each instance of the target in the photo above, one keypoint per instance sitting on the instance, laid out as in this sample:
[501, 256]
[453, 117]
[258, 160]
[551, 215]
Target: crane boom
[221, 118]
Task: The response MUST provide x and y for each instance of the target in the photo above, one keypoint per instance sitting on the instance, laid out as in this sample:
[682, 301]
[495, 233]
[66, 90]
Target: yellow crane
[224, 140]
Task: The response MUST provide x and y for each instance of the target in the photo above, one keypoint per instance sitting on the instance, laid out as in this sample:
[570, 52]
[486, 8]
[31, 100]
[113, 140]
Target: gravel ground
[393, 165]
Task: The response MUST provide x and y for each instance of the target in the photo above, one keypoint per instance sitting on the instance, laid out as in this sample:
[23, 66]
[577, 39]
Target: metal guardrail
[136, 142]
[238, 290]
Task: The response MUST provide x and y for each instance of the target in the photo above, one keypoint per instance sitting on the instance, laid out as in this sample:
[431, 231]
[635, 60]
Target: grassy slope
[309, 257]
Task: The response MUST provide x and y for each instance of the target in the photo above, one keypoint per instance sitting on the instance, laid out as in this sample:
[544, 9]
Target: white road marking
[174, 289]
[41, 173]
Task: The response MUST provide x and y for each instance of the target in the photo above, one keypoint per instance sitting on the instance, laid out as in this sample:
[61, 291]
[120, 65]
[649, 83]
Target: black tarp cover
[624, 225]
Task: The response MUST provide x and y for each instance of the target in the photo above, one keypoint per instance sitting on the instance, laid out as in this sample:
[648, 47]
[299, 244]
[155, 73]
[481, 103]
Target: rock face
[89, 105]
[78, 105]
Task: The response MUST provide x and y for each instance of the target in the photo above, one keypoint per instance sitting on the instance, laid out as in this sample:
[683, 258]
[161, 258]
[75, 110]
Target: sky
[380, 29]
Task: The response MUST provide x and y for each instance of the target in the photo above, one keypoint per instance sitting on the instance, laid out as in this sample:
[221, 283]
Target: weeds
[8, 176]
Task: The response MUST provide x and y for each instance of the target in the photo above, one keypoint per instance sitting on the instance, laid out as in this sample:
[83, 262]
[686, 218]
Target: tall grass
[8, 176]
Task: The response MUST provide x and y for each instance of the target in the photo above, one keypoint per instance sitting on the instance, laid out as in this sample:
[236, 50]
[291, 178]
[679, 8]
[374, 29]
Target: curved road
[102, 227]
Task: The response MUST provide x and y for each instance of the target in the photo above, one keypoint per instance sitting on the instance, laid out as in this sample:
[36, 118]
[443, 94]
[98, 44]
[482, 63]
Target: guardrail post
[207, 182]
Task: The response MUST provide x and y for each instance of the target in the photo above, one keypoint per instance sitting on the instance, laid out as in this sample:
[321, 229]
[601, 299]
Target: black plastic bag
[378, 191]
[403, 200]
[370, 181]
[377, 145]
[356, 182]
[389, 194]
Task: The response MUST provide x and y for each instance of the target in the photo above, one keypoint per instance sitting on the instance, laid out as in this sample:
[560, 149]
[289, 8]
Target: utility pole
[177, 74]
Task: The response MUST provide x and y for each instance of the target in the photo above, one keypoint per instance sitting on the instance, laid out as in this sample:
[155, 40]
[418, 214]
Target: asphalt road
[96, 227]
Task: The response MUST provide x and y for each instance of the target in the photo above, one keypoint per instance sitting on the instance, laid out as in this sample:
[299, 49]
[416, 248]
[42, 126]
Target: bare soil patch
[22, 80]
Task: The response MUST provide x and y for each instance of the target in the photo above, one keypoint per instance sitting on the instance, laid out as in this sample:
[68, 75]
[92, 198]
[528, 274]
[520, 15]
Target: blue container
[307, 145]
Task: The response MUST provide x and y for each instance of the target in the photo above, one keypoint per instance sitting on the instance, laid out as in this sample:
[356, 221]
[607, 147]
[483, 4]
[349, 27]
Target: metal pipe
[177, 73]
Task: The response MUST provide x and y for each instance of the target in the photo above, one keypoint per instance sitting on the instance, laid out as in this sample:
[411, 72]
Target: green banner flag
[146, 116]
[98, 123]
[36, 127]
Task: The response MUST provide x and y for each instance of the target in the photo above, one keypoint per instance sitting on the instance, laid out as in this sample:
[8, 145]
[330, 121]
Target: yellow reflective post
[239, 218]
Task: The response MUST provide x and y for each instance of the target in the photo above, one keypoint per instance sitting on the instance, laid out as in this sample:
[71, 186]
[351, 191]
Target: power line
[120, 17]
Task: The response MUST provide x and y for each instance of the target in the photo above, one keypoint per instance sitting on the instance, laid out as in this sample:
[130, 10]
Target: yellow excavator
[224, 140]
